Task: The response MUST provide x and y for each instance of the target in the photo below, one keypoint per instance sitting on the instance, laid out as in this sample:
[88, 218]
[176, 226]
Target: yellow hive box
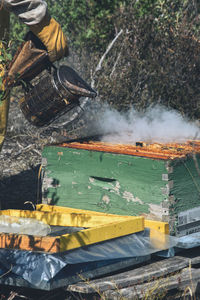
[99, 228]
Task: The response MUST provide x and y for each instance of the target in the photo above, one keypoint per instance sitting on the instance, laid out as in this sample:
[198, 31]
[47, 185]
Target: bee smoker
[49, 92]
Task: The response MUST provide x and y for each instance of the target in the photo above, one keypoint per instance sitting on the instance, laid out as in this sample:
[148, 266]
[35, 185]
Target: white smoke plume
[157, 124]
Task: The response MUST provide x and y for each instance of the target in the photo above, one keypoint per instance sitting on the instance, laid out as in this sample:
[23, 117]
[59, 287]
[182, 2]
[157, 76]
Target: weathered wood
[109, 228]
[73, 218]
[29, 242]
[133, 277]
[161, 151]
[126, 180]
[100, 181]
[186, 278]
[72, 277]
[159, 231]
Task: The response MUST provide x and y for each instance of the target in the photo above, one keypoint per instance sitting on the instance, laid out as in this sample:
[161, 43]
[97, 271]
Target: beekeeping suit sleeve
[34, 14]
[30, 12]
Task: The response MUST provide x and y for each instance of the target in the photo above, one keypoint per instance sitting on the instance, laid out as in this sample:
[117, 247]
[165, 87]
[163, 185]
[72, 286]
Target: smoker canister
[53, 94]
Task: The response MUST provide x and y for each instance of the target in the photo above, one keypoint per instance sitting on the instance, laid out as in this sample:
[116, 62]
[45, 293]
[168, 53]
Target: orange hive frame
[156, 150]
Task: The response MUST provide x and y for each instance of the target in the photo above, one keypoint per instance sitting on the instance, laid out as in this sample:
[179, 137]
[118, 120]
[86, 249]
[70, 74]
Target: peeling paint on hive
[106, 199]
[156, 180]
[129, 197]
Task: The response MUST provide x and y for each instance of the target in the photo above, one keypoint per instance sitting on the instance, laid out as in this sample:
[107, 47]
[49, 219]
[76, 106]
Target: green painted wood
[100, 181]
[186, 184]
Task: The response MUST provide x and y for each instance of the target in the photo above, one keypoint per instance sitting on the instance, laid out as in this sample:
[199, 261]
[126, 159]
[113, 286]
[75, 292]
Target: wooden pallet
[157, 278]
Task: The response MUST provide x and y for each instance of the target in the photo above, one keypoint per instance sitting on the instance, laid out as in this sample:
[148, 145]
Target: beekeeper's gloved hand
[4, 103]
[52, 36]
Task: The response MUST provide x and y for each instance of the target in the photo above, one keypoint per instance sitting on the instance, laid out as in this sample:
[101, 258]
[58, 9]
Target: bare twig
[29, 202]
[99, 66]
[115, 64]
[37, 152]
[4, 274]
[12, 295]
[107, 50]
[28, 148]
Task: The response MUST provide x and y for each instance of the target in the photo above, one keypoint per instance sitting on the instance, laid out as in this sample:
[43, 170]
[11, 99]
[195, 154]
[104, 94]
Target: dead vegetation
[152, 62]
[143, 65]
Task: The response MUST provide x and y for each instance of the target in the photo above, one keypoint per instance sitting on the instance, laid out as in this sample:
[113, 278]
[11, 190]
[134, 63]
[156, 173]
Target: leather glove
[4, 104]
[52, 36]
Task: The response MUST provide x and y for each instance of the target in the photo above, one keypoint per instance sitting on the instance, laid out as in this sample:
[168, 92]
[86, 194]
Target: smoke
[157, 124]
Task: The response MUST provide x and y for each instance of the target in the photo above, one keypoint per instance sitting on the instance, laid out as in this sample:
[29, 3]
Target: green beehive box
[161, 183]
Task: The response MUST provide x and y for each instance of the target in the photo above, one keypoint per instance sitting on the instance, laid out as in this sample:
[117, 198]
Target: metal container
[53, 94]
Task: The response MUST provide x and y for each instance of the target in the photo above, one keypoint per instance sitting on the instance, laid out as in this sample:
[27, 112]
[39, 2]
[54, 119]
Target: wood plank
[186, 278]
[159, 231]
[111, 228]
[169, 151]
[64, 209]
[100, 181]
[70, 241]
[185, 191]
[73, 219]
[73, 277]
[29, 242]
[93, 177]
[101, 233]
[162, 227]
[133, 277]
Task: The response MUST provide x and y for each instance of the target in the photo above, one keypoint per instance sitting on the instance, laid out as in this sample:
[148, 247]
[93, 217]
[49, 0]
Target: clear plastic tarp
[30, 226]
[39, 268]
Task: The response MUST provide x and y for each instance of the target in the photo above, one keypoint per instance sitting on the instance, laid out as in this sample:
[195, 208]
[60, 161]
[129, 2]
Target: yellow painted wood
[47, 244]
[111, 228]
[101, 226]
[71, 241]
[67, 219]
[162, 227]
[63, 209]
[159, 233]
[101, 233]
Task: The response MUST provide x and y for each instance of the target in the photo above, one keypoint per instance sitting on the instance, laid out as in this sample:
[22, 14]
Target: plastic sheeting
[189, 241]
[30, 226]
[47, 271]
[40, 268]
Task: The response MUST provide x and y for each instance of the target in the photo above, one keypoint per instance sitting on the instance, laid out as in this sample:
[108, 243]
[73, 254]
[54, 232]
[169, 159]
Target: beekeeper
[35, 15]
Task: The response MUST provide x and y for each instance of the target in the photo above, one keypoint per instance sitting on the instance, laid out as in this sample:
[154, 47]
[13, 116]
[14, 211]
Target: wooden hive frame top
[156, 150]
